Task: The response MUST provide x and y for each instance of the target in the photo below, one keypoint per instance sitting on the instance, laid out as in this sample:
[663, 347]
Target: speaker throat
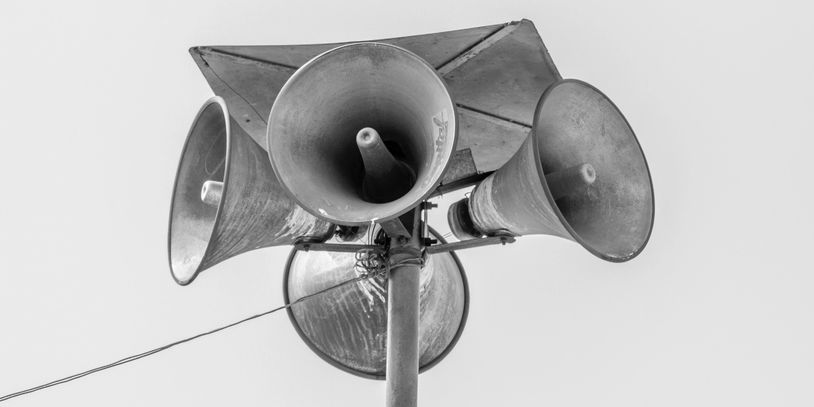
[386, 178]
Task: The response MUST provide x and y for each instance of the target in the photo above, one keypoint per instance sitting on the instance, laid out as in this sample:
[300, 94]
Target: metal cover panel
[437, 48]
[507, 78]
[496, 75]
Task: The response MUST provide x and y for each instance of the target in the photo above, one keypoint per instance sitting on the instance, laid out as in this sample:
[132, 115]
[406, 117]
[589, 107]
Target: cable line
[367, 271]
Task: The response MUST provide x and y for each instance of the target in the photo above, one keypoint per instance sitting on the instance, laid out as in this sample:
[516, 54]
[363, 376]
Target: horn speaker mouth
[318, 113]
[361, 308]
[192, 221]
[576, 123]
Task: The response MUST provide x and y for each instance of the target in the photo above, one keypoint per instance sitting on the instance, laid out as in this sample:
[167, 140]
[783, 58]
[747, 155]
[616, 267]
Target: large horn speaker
[362, 133]
[347, 327]
[226, 199]
[580, 175]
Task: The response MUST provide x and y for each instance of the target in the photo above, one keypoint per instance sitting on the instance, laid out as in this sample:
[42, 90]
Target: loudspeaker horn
[362, 133]
[226, 199]
[347, 327]
[580, 175]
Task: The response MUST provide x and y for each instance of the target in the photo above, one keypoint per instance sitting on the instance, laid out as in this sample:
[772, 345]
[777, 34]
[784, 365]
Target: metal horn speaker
[580, 175]
[362, 133]
[226, 199]
[347, 327]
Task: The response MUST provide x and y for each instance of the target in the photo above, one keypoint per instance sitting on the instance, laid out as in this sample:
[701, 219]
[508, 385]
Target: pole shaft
[402, 329]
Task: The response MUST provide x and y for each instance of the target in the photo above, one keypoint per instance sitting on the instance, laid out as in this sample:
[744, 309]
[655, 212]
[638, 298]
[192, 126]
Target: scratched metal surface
[575, 124]
[495, 74]
[254, 211]
[347, 327]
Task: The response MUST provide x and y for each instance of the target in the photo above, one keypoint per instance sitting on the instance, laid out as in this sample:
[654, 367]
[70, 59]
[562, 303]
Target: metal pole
[402, 324]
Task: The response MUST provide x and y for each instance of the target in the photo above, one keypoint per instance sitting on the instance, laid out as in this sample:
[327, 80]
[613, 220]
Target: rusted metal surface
[575, 124]
[495, 73]
[348, 326]
[317, 115]
[253, 210]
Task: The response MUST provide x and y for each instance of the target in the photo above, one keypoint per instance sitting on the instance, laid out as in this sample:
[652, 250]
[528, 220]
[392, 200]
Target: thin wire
[165, 347]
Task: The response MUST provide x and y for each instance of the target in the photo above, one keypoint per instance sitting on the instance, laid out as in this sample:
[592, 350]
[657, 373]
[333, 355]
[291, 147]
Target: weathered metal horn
[354, 112]
[226, 199]
[347, 327]
[580, 175]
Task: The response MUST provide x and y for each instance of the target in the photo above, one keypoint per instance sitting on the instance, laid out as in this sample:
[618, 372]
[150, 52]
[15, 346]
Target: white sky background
[95, 102]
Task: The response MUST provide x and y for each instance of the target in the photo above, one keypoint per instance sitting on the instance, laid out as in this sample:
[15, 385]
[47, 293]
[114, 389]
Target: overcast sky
[95, 102]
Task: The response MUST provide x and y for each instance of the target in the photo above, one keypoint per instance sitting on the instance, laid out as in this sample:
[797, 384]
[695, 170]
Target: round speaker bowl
[347, 326]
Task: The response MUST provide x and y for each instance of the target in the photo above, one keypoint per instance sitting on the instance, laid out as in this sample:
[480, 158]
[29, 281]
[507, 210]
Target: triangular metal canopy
[496, 74]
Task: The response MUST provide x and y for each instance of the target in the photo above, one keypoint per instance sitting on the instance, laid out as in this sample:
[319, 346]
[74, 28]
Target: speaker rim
[226, 118]
[421, 369]
[537, 144]
[430, 191]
